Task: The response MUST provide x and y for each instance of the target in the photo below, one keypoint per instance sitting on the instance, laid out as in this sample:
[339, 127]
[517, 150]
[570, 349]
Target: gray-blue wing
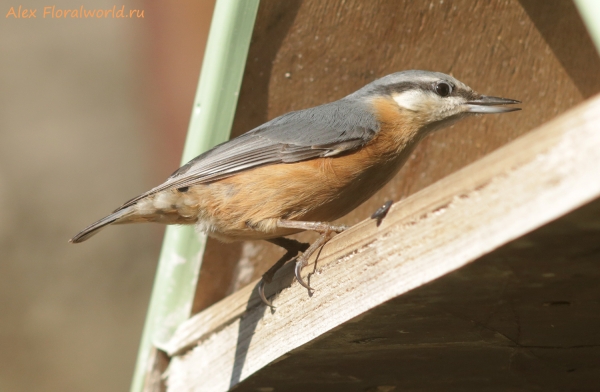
[322, 131]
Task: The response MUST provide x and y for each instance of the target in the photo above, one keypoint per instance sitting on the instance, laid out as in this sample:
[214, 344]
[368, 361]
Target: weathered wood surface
[525, 317]
[308, 52]
[153, 380]
[512, 191]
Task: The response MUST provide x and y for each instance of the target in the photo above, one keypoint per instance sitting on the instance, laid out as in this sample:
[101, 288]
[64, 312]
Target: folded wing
[322, 131]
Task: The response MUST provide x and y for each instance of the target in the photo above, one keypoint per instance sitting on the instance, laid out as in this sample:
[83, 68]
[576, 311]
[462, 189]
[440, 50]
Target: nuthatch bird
[305, 169]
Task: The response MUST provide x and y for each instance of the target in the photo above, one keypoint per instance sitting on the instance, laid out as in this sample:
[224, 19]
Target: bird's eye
[443, 89]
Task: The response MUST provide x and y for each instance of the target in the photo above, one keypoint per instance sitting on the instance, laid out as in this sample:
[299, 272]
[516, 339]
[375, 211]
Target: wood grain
[512, 191]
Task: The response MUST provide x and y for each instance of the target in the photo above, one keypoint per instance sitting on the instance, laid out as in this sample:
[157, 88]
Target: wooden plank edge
[527, 183]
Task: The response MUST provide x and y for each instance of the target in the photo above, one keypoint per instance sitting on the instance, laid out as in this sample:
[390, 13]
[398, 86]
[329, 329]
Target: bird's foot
[292, 247]
[303, 259]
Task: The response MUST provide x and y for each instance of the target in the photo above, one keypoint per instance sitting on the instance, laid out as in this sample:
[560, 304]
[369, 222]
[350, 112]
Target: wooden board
[525, 317]
[516, 189]
[306, 53]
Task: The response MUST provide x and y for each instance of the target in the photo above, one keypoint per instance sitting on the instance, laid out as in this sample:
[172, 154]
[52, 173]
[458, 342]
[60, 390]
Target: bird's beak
[487, 104]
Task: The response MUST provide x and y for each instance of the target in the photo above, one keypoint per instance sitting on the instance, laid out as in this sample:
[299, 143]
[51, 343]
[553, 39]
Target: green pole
[210, 124]
[590, 12]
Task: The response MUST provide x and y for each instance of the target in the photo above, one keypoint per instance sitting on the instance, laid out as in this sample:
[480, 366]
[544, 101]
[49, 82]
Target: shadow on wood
[560, 24]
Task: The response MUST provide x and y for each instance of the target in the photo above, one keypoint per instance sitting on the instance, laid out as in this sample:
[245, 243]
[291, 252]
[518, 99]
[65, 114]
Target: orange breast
[247, 206]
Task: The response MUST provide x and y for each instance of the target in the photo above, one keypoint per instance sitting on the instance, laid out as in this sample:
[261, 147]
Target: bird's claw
[297, 272]
[261, 294]
[382, 212]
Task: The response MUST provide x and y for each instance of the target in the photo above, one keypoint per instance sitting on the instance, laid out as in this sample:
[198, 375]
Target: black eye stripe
[425, 86]
[401, 87]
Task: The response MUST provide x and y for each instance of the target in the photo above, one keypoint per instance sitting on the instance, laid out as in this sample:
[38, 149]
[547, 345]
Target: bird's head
[431, 99]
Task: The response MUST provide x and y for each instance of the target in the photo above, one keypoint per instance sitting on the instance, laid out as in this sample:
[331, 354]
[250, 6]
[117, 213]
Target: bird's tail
[96, 226]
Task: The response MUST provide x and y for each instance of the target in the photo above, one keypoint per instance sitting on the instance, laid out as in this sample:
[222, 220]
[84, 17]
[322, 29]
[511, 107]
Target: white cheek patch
[411, 100]
[452, 105]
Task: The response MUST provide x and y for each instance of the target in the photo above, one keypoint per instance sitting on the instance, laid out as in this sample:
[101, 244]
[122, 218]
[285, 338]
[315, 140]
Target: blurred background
[93, 112]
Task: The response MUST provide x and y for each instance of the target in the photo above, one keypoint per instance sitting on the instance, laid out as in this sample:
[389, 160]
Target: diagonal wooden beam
[527, 183]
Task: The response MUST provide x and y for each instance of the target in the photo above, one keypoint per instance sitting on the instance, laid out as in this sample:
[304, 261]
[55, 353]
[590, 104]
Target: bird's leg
[326, 230]
[319, 227]
[292, 247]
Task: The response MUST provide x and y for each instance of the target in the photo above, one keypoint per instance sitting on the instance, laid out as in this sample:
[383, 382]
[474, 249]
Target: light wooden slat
[529, 182]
